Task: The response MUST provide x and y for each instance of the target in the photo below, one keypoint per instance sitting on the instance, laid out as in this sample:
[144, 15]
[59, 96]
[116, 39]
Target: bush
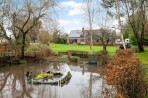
[125, 72]
[132, 39]
[135, 49]
[22, 62]
[62, 40]
[43, 76]
[103, 57]
[74, 59]
[40, 50]
[44, 37]
[27, 41]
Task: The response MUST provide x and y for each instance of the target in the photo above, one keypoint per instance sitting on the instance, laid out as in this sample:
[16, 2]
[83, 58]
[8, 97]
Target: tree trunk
[90, 86]
[91, 43]
[139, 42]
[140, 46]
[120, 25]
[104, 47]
[23, 46]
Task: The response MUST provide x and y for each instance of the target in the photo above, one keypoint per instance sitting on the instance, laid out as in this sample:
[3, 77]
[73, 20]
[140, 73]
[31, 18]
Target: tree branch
[4, 32]
[26, 20]
[35, 22]
[5, 81]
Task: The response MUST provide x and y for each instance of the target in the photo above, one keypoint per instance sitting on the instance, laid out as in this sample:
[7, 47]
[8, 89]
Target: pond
[84, 83]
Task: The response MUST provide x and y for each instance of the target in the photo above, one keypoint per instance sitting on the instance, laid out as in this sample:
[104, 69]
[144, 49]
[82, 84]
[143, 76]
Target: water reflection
[85, 82]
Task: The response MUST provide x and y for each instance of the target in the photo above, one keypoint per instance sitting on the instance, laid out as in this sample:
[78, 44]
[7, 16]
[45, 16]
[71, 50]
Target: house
[83, 36]
[77, 37]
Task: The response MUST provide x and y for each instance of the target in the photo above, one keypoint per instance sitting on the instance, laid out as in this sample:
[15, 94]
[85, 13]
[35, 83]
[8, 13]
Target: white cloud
[64, 22]
[68, 25]
[76, 8]
[69, 22]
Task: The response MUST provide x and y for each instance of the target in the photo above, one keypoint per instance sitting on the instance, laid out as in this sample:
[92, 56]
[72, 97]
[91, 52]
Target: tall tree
[5, 17]
[44, 37]
[34, 32]
[106, 33]
[117, 13]
[119, 22]
[28, 15]
[93, 14]
[89, 15]
[135, 12]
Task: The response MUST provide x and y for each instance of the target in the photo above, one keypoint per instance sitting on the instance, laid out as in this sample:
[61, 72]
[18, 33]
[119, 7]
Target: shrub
[103, 57]
[74, 59]
[22, 62]
[135, 49]
[27, 41]
[44, 37]
[62, 40]
[43, 76]
[132, 39]
[125, 72]
[40, 50]
[2, 49]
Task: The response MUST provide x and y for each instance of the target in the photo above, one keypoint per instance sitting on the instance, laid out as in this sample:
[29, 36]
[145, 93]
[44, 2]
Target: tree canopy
[135, 12]
[23, 16]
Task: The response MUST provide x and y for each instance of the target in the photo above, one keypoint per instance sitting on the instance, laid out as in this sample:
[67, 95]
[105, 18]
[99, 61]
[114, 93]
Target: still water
[84, 83]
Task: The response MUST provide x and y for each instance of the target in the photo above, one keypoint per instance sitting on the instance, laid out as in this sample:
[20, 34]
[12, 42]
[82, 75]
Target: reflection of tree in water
[55, 67]
[3, 80]
[87, 90]
[13, 84]
[92, 90]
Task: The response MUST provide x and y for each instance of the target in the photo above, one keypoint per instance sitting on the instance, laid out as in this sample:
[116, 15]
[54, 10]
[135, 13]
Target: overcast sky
[71, 15]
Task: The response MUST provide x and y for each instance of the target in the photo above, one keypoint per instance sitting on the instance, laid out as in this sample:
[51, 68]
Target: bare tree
[115, 13]
[28, 15]
[105, 36]
[44, 37]
[135, 11]
[5, 17]
[106, 33]
[89, 15]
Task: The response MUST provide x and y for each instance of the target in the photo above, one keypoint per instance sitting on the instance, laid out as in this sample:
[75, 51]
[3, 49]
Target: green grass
[144, 59]
[111, 49]
[143, 56]
[64, 48]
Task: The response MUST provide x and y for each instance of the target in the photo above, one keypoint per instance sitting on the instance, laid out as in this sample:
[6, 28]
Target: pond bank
[12, 60]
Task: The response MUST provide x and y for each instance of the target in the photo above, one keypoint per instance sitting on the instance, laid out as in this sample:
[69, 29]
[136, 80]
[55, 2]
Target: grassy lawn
[64, 48]
[111, 49]
[143, 56]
